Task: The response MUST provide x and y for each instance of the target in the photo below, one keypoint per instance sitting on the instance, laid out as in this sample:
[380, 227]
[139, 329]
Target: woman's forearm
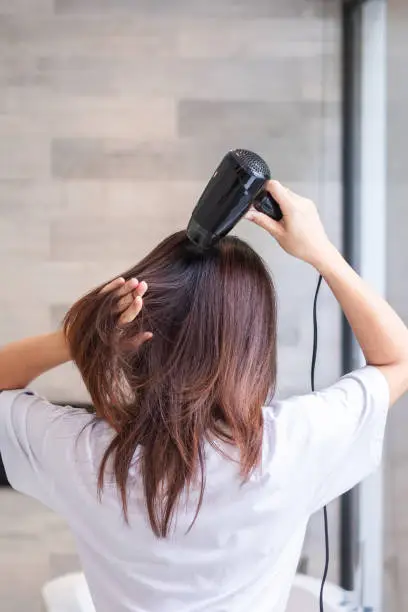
[380, 332]
[24, 360]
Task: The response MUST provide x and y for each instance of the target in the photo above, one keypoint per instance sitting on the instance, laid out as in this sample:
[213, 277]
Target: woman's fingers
[113, 285]
[125, 290]
[131, 294]
[141, 288]
[270, 225]
[136, 342]
[129, 286]
[125, 302]
[142, 338]
[283, 195]
[128, 300]
[121, 286]
[135, 306]
[132, 311]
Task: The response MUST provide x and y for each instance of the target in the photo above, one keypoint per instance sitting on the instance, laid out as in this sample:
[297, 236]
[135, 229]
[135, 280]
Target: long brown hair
[204, 375]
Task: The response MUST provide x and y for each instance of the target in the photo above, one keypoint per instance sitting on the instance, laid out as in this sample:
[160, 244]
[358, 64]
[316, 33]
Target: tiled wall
[113, 115]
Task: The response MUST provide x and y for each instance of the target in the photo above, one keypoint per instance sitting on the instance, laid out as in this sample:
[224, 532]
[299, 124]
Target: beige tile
[125, 200]
[62, 385]
[400, 498]
[303, 122]
[16, 102]
[18, 70]
[110, 160]
[57, 313]
[21, 576]
[319, 77]
[402, 572]
[21, 7]
[61, 564]
[23, 199]
[396, 433]
[20, 316]
[34, 544]
[24, 158]
[392, 589]
[19, 239]
[42, 201]
[289, 8]
[111, 239]
[59, 541]
[389, 500]
[225, 79]
[84, 35]
[256, 37]
[142, 119]
[57, 282]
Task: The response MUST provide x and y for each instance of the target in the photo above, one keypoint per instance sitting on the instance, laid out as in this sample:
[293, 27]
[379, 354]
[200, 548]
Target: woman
[189, 489]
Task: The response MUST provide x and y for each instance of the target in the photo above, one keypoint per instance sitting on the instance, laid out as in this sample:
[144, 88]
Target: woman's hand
[300, 233]
[130, 304]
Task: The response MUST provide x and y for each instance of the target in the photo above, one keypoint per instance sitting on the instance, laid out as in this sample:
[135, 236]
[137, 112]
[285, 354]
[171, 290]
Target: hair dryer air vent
[253, 162]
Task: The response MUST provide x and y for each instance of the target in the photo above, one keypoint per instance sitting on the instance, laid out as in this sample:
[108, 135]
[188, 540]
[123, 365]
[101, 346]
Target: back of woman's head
[203, 376]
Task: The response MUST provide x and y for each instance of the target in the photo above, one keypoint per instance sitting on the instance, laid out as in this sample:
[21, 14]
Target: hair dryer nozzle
[201, 238]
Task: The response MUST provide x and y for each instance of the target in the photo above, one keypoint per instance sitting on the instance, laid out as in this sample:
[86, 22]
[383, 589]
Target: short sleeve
[36, 437]
[334, 438]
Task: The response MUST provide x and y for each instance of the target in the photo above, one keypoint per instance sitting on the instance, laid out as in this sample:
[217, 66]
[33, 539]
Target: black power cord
[322, 173]
[312, 380]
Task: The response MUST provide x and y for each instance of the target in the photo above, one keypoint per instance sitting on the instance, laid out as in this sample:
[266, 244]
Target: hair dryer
[238, 182]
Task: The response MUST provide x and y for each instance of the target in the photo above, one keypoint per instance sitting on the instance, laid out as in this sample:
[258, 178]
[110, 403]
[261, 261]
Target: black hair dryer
[238, 182]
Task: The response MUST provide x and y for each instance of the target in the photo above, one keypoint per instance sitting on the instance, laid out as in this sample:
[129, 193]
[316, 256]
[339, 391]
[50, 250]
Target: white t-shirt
[243, 549]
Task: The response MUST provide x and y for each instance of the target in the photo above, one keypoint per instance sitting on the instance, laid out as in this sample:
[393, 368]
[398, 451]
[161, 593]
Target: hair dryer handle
[265, 203]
